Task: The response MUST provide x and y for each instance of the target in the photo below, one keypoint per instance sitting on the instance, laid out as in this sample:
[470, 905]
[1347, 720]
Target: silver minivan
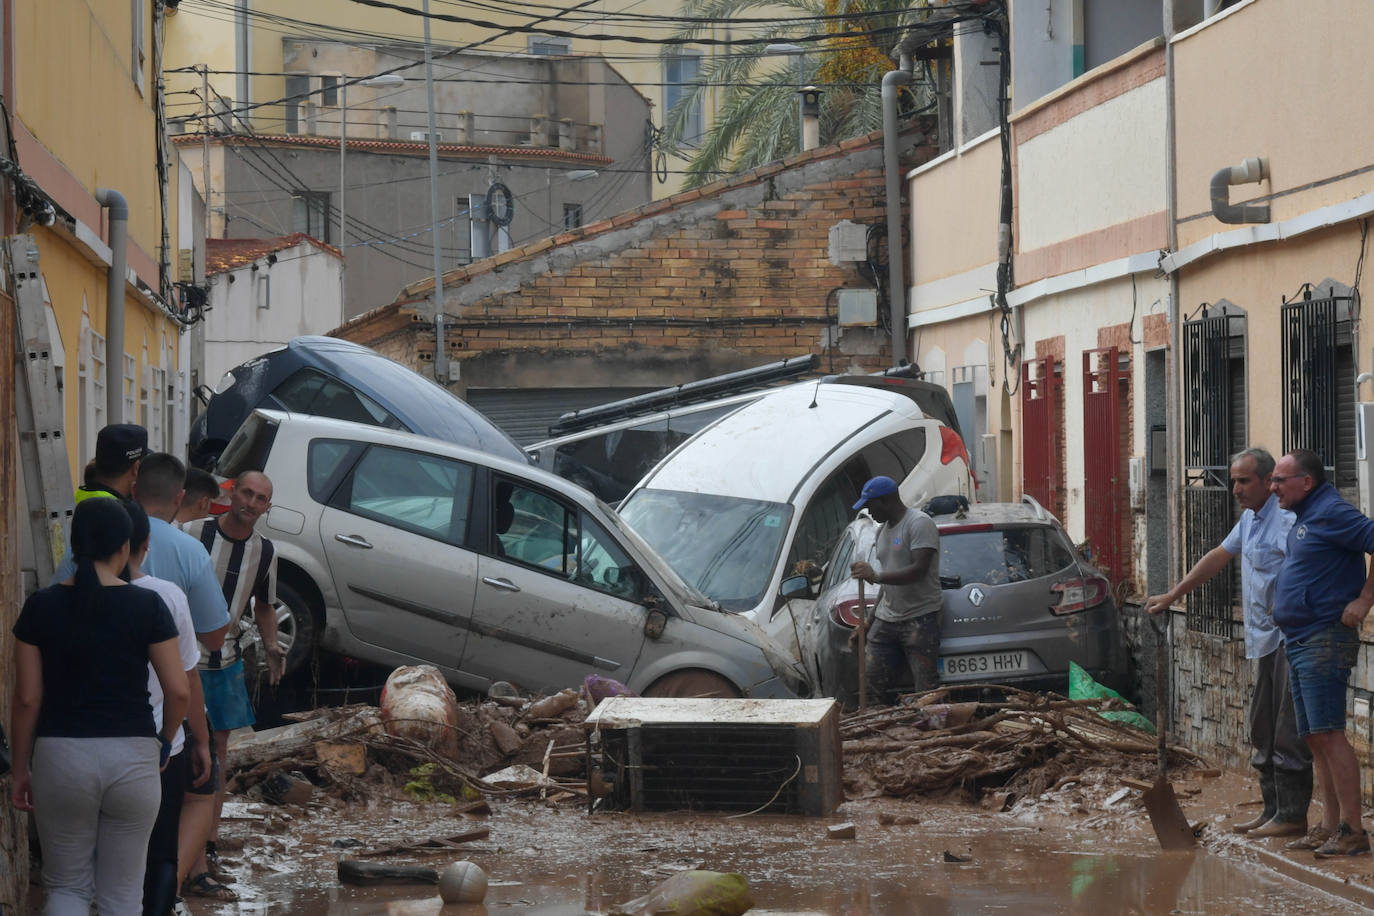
[400, 549]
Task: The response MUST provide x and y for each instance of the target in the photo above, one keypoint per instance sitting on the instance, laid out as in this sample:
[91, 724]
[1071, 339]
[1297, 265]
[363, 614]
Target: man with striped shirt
[246, 565]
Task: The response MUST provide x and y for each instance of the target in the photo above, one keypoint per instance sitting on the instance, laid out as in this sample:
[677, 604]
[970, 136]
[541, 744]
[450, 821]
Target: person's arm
[176, 692]
[1351, 527]
[265, 615]
[1212, 562]
[909, 574]
[28, 698]
[199, 741]
[209, 610]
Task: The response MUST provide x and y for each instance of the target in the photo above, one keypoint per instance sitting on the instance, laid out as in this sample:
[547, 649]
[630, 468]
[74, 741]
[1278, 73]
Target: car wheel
[295, 626]
[692, 682]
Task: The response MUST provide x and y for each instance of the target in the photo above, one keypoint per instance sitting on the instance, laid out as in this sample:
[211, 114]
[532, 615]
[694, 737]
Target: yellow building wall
[75, 93]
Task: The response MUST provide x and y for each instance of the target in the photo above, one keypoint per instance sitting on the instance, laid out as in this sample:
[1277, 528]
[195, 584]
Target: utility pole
[205, 147]
[440, 353]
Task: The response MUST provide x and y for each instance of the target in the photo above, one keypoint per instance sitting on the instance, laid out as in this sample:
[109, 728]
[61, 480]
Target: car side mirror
[654, 623]
[796, 587]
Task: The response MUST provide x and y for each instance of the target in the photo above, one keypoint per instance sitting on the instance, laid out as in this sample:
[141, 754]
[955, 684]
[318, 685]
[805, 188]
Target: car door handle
[355, 540]
[505, 585]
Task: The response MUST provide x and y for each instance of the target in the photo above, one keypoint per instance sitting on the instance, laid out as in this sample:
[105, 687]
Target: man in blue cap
[905, 631]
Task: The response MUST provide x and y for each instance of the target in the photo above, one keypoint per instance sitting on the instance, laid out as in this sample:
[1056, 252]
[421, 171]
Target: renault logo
[975, 596]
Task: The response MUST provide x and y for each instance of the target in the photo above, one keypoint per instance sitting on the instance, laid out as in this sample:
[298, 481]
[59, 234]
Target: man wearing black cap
[119, 448]
[905, 629]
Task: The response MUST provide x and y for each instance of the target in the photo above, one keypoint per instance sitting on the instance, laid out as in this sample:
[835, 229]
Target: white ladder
[40, 413]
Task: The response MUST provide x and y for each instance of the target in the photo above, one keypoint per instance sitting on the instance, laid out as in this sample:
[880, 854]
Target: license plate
[985, 663]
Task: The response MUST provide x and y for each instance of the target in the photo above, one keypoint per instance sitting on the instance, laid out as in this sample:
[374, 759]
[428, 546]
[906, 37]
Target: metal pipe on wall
[118, 209]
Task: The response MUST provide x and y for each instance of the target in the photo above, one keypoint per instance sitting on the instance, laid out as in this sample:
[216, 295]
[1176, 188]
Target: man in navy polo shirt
[1322, 596]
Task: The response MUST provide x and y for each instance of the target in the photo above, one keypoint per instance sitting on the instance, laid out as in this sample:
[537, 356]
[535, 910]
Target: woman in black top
[86, 752]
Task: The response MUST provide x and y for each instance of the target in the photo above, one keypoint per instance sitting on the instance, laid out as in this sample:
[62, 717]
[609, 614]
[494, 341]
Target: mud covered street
[996, 814]
[1066, 853]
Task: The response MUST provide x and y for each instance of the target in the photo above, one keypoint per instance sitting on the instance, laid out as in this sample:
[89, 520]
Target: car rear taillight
[1076, 595]
[846, 613]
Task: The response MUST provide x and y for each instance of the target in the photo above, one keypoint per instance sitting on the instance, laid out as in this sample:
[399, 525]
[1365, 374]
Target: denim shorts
[1319, 669]
[226, 697]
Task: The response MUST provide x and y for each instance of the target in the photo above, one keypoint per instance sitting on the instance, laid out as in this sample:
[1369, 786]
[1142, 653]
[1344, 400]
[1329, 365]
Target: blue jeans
[896, 648]
[1319, 669]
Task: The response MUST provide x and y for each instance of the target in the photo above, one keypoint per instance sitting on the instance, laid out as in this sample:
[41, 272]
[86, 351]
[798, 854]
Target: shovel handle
[862, 648]
[1161, 679]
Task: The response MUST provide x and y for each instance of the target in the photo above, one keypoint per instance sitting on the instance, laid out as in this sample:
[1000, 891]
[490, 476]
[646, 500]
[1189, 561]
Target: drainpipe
[1173, 415]
[114, 298]
[1250, 170]
[896, 274]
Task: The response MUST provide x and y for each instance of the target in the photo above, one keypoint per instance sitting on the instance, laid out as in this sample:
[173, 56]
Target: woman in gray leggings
[86, 752]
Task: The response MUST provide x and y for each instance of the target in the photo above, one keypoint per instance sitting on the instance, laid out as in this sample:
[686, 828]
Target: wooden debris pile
[350, 752]
[1021, 744]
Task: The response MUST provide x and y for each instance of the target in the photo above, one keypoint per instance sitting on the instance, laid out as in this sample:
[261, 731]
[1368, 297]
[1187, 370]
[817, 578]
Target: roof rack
[1039, 510]
[689, 393]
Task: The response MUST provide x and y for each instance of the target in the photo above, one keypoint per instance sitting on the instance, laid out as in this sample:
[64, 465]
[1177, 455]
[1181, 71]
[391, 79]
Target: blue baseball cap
[878, 486]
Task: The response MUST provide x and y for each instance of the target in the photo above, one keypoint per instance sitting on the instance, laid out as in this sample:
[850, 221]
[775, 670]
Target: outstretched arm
[1212, 562]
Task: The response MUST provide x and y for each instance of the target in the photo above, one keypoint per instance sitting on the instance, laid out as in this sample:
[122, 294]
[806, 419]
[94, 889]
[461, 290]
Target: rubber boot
[159, 888]
[1295, 794]
[1271, 806]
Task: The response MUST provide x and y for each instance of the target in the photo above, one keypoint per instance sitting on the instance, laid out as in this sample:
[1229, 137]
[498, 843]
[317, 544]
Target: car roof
[644, 419]
[773, 444]
[418, 402]
[997, 513]
[328, 427]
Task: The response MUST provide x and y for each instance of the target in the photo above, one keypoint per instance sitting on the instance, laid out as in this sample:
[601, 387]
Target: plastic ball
[463, 882]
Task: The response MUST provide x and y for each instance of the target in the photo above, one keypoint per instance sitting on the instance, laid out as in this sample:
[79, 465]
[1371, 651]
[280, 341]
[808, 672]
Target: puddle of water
[560, 862]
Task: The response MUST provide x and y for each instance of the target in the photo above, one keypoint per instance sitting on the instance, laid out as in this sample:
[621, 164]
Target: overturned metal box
[775, 756]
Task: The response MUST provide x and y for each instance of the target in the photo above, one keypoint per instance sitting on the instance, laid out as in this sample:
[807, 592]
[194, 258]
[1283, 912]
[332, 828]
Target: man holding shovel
[905, 631]
[1281, 758]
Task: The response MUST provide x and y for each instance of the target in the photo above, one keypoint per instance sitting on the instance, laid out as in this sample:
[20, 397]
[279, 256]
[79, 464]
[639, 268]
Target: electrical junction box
[669, 754]
[857, 307]
[848, 243]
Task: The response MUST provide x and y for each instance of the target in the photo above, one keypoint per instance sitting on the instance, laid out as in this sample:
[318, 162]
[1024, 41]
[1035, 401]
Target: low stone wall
[1211, 682]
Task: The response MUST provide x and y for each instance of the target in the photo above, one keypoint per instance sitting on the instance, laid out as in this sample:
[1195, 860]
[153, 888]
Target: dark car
[329, 377]
[1020, 604]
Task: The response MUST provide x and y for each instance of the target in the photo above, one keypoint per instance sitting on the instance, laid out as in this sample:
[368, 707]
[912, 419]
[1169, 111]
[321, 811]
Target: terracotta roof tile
[226, 254]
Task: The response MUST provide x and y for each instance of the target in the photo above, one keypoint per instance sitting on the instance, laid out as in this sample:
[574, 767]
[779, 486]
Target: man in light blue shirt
[1260, 538]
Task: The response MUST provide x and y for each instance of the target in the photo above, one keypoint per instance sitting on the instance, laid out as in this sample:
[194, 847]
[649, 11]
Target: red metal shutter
[1039, 430]
[1102, 459]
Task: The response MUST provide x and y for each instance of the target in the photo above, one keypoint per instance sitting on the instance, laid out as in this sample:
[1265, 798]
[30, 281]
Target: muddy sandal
[202, 885]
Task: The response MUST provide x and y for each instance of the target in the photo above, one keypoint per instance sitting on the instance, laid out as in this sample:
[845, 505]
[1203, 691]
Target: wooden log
[370, 873]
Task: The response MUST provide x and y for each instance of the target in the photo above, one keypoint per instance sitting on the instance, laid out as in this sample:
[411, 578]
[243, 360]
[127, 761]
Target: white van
[763, 493]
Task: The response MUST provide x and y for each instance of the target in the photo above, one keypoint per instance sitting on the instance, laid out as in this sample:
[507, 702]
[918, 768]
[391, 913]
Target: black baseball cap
[120, 445]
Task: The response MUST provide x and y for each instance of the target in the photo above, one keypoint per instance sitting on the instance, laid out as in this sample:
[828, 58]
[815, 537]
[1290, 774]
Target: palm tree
[756, 121]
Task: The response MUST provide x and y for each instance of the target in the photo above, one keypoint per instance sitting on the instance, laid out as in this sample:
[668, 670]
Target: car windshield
[725, 546]
[1001, 556]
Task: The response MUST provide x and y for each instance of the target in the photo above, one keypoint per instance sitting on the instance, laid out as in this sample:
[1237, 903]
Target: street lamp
[386, 79]
[787, 49]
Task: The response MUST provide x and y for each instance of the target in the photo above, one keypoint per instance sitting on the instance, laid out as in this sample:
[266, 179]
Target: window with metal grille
[681, 71]
[1318, 365]
[572, 216]
[1214, 425]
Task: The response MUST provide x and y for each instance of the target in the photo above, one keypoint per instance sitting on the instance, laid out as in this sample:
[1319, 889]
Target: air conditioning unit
[422, 136]
[660, 754]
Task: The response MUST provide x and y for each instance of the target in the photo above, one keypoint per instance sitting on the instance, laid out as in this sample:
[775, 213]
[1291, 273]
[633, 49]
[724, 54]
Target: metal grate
[1206, 521]
[1214, 429]
[1309, 329]
[696, 768]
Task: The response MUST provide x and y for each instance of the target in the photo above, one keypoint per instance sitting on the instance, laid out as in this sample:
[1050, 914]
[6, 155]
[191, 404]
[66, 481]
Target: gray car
[399, 549]
[1020, 604]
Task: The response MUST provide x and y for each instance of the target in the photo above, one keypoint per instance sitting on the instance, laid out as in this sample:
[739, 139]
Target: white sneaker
[181, 909]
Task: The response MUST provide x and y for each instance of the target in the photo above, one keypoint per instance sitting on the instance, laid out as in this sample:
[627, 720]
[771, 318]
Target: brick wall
[732, 275]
